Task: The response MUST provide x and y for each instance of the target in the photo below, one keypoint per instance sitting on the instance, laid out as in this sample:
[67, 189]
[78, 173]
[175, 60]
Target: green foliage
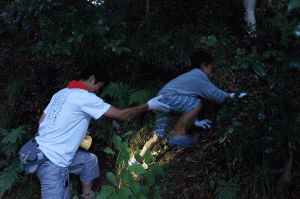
[59, 28]
[119, 93]
[140, 97]
[9, 145]
[210, 40]
[228, 190]
[261, 181]
[254, 61]
[121, 96]
[129, 187]
[12, 140]
[293, 4]
[10, 175]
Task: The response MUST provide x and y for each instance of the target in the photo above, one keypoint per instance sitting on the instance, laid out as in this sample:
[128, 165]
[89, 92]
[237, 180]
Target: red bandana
[76, 84]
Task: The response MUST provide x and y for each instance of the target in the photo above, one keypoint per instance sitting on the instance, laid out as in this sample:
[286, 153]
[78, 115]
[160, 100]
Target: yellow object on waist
[86, 143]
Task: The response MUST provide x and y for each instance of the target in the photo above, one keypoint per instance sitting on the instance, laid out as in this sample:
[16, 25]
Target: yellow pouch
[86, 143]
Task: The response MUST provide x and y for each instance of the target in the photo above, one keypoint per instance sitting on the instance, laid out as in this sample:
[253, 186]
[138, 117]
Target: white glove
[155, 104]
[241, 95]
[203, 123]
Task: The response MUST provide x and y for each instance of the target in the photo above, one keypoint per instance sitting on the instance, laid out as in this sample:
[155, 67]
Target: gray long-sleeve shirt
[194, 83]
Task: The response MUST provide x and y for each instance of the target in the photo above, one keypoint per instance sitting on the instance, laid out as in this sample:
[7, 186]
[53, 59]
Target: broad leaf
[107, 190]
[112, 178]
[124, 192]
[150, 178]
[137, 169]
[108, 150]
[156, 169]
[148, 159]
[125, 176]
[138, 158]
[146, 189]
[120, 159]
[134, 186]
[259, 68]
[117, 142]
[124, 146]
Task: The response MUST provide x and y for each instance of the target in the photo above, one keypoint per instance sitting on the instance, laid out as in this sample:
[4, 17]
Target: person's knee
[94, 157]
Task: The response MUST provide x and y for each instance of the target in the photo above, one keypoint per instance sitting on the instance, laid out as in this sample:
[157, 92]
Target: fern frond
[3, 132]
[120, 94]
[228, 191]
[14, 135]
[10, 175]
[2, 163]
[140, 97]
[9, 149]
[115, 90]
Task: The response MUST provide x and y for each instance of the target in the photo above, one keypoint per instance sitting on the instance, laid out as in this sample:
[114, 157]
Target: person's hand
[155, 104]
[203, 123]
[241, 95]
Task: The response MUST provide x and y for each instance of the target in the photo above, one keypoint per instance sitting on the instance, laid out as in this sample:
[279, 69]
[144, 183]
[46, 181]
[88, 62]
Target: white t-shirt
[66, 122]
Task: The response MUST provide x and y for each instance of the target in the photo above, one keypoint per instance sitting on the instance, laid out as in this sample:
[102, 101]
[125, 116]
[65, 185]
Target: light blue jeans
[55, 180]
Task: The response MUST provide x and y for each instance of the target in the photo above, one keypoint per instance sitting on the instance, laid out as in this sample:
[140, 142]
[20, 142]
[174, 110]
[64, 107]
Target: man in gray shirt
[184, 95]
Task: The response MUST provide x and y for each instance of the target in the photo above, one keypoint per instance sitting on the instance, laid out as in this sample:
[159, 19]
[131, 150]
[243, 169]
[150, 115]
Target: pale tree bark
[250, 13]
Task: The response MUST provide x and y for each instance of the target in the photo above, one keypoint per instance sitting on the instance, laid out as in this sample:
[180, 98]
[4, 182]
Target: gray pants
[55, 180]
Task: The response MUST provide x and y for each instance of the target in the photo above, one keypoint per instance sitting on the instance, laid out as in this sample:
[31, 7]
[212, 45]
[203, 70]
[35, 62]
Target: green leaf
[2, 163]
[142, 196]
[231, 130]
[71, 39]
[109, 151]
[117, 50]
[124, 146]
[9, 149]
[156, 169]
[101, 196]
[66, 51]
[150, 178]
[14, 135]
[212, 184]
[146, 189]
[117, 141]
[126, 49]
[126, 157]
[148, 159]
[137, 169]
[293, 4]
[79, 37]
[259, 68]
[107, 190]
[112, 178]
[134, 186]
[120, 159]
[210, 40]
[138, 158]
[125, 175]
[240, 51]
[238, 123]
[125, 192]
[3, 132]
[140, 97]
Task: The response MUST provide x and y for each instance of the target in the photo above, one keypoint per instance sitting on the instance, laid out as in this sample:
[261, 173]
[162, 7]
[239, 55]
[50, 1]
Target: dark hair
[200, 57]
[100, 72]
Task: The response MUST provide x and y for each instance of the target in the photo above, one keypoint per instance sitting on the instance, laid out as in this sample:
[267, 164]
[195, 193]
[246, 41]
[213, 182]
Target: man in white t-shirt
[64, 125]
